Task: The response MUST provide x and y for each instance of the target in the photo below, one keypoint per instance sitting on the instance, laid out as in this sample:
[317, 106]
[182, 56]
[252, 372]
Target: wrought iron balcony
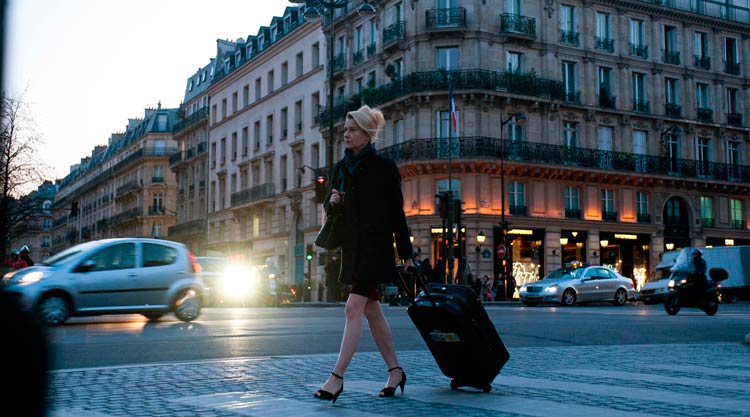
[672, 57]
[197, 116]
[607, 100]
[372, 50]
[394, 33]
[517, 24]
[734, 119]
[641, 51]
[705, 115]
[643, 218]
[641, 106]
[713, 8]
[707, 222]
[673, 110]
[446, 18]
[703, 62]
[339, 62]
[569, 37]
[483, 147]
[605, 44]
[610, 216]
[251, 195]
[732, 68]
[358, 57]
[572, 213]
[738, 224]
[518, 210]
[525, 84]
[188, 228]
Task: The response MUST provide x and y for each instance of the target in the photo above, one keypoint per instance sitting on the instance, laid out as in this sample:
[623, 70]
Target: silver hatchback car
[152, 277]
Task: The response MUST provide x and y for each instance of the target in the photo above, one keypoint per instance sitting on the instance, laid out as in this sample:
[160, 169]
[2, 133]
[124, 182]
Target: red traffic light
[322, 179]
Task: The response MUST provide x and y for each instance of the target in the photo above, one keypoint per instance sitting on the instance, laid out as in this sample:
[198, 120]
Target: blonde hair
[368, 119]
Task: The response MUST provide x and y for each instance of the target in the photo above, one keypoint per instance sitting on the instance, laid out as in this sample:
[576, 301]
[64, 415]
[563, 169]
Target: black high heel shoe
[327, 396]
[390, 391]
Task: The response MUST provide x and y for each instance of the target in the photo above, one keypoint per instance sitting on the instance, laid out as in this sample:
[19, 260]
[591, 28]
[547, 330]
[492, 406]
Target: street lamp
[312, 13]
[480, 240]
[519, 118]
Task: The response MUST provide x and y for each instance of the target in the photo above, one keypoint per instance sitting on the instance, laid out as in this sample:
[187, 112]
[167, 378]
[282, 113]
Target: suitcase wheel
[485, 387]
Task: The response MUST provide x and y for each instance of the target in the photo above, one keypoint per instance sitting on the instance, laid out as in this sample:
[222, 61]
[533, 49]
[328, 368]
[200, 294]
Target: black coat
[373, 212]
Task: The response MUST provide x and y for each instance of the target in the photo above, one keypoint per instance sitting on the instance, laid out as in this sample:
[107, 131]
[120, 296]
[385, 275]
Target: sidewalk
[634, 380]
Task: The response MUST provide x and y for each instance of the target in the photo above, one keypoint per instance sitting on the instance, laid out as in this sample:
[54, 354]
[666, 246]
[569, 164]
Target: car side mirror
[86, 266]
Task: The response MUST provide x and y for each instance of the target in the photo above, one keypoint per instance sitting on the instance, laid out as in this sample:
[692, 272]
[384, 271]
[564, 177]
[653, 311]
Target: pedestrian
[476, 285]
[438, 273]
[332, 269]
[426, 270]
[25, 255]
[15, 261]
[487, 294]
[371, 204]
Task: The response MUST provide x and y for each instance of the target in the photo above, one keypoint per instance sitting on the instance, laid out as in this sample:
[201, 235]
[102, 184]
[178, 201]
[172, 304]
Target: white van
[654, 289]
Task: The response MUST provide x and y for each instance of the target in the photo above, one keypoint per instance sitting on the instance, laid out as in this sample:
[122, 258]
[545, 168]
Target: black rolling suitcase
[461, 337]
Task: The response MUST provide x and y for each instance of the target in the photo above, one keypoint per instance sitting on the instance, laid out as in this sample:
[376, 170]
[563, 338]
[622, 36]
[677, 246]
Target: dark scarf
[352, 161]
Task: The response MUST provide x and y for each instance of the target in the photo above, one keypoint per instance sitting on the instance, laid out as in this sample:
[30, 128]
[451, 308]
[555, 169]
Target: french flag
[454, 119]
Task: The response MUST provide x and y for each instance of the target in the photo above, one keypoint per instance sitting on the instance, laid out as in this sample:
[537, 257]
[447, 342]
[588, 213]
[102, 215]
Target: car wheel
[529, 303]
[54, 310]
[187, 305]
[568, 297]
[621, 297]
[671, 309]
[153, 316]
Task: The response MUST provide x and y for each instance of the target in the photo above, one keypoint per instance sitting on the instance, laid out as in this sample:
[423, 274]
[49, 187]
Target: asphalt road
[261, 332]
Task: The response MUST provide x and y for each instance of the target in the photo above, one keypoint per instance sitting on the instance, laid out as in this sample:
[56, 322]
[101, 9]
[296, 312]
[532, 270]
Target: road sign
[501, 251]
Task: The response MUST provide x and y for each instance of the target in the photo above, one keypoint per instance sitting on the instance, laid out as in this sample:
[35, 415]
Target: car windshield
[61, 257]
[563, 272]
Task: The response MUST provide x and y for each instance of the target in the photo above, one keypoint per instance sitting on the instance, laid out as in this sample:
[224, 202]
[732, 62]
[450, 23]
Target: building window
[447, 132]
[448, 58]
[570, 82]
[731, 56]
[703, 103]
[568, 33]
[514, 62]
[703, 155]
[640, 99]
[609, 212]
[707, 211]
[604, 41]
[570, 134]
[572, 202]
[642, 207]
[700, 50]
[671, 52]
[672, 95]
[735, 212]
[640, 150]
[638, 45]
[517, 196]
[299, 65]
[398, 131]
[442, 185]
[606, 99]
[733, 159]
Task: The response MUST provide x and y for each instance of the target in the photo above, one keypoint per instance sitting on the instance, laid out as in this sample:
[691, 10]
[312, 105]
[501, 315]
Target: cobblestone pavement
[632, 380]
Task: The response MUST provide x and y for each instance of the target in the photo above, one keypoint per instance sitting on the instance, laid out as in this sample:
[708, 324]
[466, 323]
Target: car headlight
[670, 284]
[522, 289]
[32, 277]
[551, 289]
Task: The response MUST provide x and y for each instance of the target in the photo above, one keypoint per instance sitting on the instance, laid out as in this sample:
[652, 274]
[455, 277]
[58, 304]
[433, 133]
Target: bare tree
[20, 165]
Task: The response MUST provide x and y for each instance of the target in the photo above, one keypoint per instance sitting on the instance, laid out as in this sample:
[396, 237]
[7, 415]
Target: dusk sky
[87, 66]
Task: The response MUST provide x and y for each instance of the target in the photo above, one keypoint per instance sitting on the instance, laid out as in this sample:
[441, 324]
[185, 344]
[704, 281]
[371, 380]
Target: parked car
[111, 276]
[579, 285]
[228, 283]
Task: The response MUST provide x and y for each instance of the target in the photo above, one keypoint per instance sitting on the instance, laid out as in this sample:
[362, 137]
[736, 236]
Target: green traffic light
[309, 257]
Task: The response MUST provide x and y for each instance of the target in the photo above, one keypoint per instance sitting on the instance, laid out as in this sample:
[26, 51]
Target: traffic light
[309, 253]
[443, 204]
[321, 189]
[457, 211]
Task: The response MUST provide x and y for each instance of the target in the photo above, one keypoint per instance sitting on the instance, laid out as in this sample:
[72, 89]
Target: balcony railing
[558, 155]
[515, 23]
[605, 44]
[358, 57]
[607, 100]
[643, 218]
[732, 68]
[372, 50]
[673, 110]
[641, 51]
[517, 210]
[251, 195]
[569, 37]
[707, 222]
[127, 215]
[641, 106]
[200, 115]
[713, 8]
[738, 224]
[394, 33]
[188, 228]
[446, 18]
[473, 79]
[339, 62]
[672, 57]
[734, 119]
[705, 115]
[703, 62]
[572, 213]
[610, 216]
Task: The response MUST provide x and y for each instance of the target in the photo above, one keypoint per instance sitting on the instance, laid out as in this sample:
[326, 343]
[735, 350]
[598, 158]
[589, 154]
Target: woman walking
[371, 203]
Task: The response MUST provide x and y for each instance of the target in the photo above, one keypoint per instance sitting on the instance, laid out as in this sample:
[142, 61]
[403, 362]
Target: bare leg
[381, 333]
[355, 306]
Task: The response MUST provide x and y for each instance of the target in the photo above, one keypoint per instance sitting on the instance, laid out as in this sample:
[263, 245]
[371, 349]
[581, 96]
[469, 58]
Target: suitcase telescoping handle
[404, 270]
